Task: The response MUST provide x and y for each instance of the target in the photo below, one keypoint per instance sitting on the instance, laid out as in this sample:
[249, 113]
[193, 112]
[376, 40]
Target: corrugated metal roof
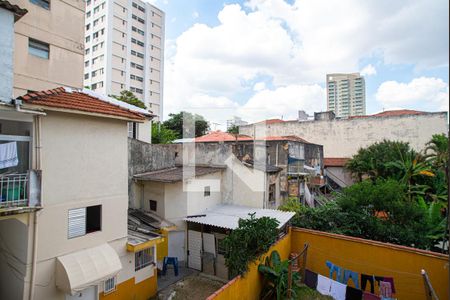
[227, 216]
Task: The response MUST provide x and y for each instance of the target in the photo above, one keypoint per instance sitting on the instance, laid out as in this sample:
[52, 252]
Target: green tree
[130, 98]
[372, 161]
[436, 151]
[233, 129]
[162, 135]
[176, 121]
[252, 238]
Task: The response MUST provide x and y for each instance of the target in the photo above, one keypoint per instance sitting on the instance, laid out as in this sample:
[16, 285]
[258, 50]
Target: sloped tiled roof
[335, 161]
[78, 101]
[220, 136]
[272, 121]
[18, 12]
[176, 174]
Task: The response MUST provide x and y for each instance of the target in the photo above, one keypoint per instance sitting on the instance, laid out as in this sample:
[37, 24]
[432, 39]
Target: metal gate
[194, 250]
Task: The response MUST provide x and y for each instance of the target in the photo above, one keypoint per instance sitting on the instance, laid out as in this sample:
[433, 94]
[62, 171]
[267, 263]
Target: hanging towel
[8, 155]
[353, 294]
[370, 296]
[371, 279]
[311, 279]
[353, 275]
[323, 285]
[391, 281]
[338, 290]
[385, 289]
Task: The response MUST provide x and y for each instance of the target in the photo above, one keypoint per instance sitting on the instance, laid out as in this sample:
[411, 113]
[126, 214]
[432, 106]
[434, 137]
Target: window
[272, 193]
[109, 285]
[134, 41]
[86, 76]
[88, 38]
[153, 205]
[143, 258]
[38, 48]
[139, 67]
[132, 130]
[42, 3]
[87, 51]
[88, 26]
[207, 191]
[88, 14]
[84, 220]
[136, 90]
[86, 63]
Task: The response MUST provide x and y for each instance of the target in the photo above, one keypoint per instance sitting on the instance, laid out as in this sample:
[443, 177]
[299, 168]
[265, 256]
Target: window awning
[79, 270]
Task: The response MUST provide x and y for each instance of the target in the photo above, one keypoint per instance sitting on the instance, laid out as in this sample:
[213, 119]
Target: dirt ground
[193, 287]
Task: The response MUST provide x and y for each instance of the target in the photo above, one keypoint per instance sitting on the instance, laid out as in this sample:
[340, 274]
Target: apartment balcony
[20, 193]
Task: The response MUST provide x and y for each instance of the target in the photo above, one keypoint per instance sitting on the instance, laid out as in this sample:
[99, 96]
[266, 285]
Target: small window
[272, 193]
[86, 76]
[42, 3]
[143, 258]
[109, 285]
[93, 218]
[207, 191]
[84, 220]
[153, 205]
[132, 130]
[39, 48]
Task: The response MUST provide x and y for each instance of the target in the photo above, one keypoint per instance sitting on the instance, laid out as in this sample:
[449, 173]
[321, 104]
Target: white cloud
[368, 70]
[295, 45]
[259, 86]
[428, 93]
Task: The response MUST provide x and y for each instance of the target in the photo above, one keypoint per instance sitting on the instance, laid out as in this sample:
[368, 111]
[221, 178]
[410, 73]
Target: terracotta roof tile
[335, 161]
[18, 12]
[74, 100]
[220, 136]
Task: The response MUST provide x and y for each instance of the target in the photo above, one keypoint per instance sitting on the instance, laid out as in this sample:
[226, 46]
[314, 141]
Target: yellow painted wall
[162, 249]
[404, 264]
[128, 290]
[249, 286]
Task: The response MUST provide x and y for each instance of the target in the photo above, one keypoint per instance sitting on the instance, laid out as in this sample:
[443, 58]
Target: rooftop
[335, 161]
[393, 113]
[18, 12]
[175, 174]
[220, 136]
[76, 101]
[227, 216]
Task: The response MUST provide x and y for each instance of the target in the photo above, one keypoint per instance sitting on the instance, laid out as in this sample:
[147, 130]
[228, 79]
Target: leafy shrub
[252, 238]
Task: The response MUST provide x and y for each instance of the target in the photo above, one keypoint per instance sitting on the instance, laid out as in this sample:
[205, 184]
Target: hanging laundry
[311, 279]
[353, 275]
[391, 281]
[353, 294]
[8, 155]
[371, 279]
[338, 290]
[323, 285]
[334, 268]
[370, 296]
[385, 289]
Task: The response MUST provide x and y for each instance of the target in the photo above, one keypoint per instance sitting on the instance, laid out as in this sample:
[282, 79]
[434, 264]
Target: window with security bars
[110, 285]
[143, 258]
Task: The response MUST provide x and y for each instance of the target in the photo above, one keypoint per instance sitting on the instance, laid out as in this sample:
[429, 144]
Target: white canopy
[79, 270]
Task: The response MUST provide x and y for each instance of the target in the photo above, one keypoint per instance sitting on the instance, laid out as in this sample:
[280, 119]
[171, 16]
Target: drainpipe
[35, 218]
[18, 104]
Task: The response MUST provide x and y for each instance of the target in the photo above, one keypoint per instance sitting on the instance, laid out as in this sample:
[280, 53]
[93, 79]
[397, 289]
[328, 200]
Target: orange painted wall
[162, 249]
[249, 286]
[128, 290]
[404, 264]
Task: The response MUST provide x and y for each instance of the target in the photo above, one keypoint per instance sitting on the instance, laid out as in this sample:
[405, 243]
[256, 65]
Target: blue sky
[268, 58]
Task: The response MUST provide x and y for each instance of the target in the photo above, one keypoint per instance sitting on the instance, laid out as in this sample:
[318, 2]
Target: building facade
[48, 50]
[124, 50]
[346, 94]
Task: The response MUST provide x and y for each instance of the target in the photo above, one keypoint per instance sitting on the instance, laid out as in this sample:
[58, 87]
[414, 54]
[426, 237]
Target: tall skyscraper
[124, 50]
[346, 94]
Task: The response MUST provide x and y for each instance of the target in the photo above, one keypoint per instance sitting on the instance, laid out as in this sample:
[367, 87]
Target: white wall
[343, 138]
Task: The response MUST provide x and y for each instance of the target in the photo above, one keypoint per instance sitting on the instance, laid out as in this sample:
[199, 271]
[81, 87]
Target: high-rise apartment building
[48, 51]
[124, 50]
[346, 94]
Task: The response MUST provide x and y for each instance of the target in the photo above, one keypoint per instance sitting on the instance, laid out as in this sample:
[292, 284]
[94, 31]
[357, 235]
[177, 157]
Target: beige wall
[63, 28]
[343, 138]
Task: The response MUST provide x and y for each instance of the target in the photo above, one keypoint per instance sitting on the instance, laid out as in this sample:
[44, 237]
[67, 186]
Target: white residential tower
[124, 50]
[346, 94]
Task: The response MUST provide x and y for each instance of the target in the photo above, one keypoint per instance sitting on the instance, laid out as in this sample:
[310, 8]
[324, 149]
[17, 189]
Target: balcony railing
[20, 190]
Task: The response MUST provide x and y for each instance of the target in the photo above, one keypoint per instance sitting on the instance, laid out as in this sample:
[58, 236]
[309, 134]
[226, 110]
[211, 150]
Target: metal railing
[14, 190]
